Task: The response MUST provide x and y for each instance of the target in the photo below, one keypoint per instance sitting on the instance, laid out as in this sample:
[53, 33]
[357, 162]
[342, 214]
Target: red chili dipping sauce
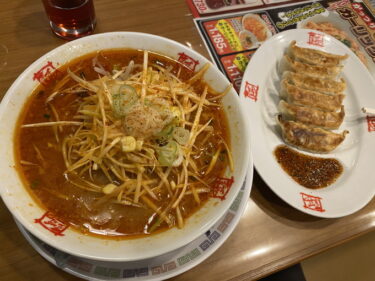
[308, 171]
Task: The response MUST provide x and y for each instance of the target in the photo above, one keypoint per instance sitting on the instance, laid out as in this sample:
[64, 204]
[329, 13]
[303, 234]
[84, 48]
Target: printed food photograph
[204, 7]
[240, 33]
[215, 4]
[248, 39]
[256, 25]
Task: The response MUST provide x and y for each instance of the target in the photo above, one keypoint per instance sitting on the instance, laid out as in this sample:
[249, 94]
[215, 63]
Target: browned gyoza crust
[325, 86]
[311, 116]
[309, 138]
[314, 57]
[300, 96]
[319, 71]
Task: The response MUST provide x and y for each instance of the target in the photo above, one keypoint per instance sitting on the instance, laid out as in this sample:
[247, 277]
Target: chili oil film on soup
[125, 143]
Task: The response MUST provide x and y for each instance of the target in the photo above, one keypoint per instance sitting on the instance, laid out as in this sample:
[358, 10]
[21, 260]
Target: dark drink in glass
[71, 19]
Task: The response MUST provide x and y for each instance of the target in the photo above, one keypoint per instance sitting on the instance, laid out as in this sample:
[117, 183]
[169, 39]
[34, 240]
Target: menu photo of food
[235, 66]
[241, 33]
[254, 24]
[273, 1]
[207, 7]
[221, 4]
[202, 8]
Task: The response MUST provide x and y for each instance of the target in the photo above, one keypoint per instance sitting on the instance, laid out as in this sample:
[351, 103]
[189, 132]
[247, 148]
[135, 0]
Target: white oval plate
[356, 186]
[158, 268]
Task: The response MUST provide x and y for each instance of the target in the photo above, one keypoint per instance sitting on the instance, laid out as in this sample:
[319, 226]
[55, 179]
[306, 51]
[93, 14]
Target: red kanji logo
[312, 202]
[46, 73]
[251, 91]
[52, 224]
[316, 39]
[189, 62]
[371, 123]
[221, 187]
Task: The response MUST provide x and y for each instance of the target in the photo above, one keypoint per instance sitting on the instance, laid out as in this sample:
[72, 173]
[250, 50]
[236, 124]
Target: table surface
[270, 236]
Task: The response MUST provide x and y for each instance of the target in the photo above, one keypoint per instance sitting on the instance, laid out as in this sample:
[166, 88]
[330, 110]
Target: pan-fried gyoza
[309, 138]
[315, 57]
[301, 96]
[314, 70]
[313, 99]
[325, 86]
[312, 116]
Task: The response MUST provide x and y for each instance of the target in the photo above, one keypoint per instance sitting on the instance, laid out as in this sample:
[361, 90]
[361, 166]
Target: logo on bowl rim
[50, 222]
[46, 73]
[370, 123]
[188, 61]
[221, 187]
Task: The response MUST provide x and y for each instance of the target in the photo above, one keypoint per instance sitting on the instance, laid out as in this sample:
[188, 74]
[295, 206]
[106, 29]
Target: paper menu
[239, 33]
[201, 8]
[232, 38]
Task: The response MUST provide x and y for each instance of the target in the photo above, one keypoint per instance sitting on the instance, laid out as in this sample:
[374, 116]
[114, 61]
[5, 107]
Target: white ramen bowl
[49, 229]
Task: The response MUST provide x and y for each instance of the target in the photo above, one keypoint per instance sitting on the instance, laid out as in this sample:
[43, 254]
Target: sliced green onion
[168, 154]
[179, 159]
[166, 132]
[123, 99]
[181, 135]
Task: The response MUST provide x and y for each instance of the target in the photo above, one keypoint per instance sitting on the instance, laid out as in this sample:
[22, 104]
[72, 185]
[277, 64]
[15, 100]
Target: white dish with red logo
[157, 268]
[259, 92]
[45, 226]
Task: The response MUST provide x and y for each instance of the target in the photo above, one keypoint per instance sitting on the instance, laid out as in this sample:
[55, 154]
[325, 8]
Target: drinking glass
[71, 19]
